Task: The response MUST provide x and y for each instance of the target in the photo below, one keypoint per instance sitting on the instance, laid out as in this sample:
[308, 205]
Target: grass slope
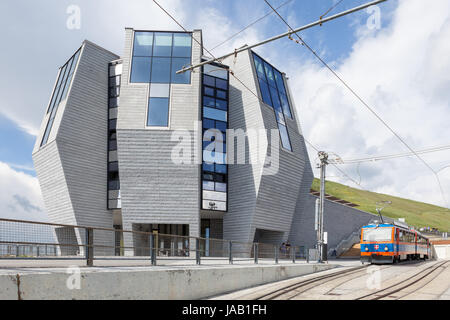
[416, 213]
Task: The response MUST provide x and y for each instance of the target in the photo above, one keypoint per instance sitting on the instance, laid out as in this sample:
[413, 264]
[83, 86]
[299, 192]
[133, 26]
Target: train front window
[377, 234]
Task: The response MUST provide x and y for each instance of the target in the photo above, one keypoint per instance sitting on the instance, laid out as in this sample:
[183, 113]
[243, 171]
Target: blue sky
[394, 67]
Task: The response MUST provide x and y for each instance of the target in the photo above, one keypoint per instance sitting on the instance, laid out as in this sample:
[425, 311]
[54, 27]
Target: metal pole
[230, 252]
[152, 250]
[293, 254]
[197, 251]
[318, 22]
[276, 254]
[323, 156]
[255, 251]
[89, 247]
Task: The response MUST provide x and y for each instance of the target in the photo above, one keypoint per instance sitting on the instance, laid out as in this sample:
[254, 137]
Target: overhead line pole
[286, 34]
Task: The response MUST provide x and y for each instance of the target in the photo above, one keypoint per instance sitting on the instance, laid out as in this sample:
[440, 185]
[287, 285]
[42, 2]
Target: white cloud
[402, 72]
[20, 195]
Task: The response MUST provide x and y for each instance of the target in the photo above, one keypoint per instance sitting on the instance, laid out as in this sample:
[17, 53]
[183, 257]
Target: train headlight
[386, 248]
[367, 248]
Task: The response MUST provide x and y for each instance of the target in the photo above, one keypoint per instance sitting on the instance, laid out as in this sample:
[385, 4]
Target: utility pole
[323, 157]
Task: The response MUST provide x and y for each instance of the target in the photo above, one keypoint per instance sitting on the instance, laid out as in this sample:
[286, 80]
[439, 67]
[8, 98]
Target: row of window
[60, 92]
[274, 94]
[157, 56]
[159, 70]
[215, 117]
[114, 199]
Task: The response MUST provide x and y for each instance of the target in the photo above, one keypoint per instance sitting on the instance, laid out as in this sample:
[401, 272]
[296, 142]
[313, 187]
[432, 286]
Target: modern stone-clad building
[127, 142]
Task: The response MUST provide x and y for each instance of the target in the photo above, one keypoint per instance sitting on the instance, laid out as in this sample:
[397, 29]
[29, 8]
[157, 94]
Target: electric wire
[329, 10]
[394, 156]
[250, 25]
[363, 102]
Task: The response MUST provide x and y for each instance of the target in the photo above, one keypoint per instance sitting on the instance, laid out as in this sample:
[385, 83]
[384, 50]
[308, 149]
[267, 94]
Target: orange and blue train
[391, 243]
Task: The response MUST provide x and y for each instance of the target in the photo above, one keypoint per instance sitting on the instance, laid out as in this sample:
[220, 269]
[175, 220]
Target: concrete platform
[153, 283]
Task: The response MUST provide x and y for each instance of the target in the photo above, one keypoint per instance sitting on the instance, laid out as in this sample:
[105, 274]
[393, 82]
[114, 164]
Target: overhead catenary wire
[248, 26]
[286, 34]
[329, 10]
[393, 156]
[363, 102]
[256, 95]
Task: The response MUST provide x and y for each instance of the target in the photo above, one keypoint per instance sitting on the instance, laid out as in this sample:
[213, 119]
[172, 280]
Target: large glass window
[140, 70]
[182, 44]
[163, 45]
[143, 44]
[60, 92]
[161, 70]
[178, 64]
[273, 93]
[214, 167]
[158, 112]
[157, 56]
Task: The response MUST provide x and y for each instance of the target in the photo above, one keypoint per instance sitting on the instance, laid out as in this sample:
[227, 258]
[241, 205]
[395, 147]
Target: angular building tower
[217, 152]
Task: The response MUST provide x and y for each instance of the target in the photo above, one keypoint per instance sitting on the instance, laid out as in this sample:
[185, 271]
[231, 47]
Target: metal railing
[29, 240]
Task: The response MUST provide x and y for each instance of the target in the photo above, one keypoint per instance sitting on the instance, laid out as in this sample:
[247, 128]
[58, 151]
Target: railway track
[422, 278]
[292, 290]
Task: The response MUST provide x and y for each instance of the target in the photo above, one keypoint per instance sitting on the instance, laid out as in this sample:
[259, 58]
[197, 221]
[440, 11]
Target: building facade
[217, 152]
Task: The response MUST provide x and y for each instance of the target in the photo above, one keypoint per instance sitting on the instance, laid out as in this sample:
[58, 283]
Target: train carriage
[391, 243]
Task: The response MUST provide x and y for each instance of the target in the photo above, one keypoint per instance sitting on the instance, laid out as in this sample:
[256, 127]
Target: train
[392, 243]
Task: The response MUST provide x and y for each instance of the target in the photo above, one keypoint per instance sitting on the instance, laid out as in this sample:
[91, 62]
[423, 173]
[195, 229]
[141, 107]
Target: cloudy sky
[396, 57]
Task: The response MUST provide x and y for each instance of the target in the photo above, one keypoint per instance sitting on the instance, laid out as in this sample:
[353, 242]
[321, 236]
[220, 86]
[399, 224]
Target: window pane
[279, 81]
[221, 104]
[207, 123]
[178, 64]
[285, 105]
[181, 45]
[222, 84]
[259, 67]
[284, 137]
[222, 126]
[208, 185]
[269, 74]
[75, 61]
[214, 114]
[265, 92]
[209, 91]
[209, 168]
[209, 102]
[158, 112]
[163, 45]
[161, 70]
[221, 94]
[221, 187]
[221, 168]
[209, 81]
[215, 71]
[140, 70]
[275, 99]
[143, 42]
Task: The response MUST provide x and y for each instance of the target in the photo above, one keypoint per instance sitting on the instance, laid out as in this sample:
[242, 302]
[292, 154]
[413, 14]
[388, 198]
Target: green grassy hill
[416, 213]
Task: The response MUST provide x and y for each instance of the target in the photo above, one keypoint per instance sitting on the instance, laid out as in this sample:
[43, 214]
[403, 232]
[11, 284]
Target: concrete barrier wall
[189, 283]
[441, 251]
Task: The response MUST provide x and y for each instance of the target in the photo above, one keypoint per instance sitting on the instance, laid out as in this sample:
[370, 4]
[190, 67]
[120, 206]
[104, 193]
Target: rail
[31, 240]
